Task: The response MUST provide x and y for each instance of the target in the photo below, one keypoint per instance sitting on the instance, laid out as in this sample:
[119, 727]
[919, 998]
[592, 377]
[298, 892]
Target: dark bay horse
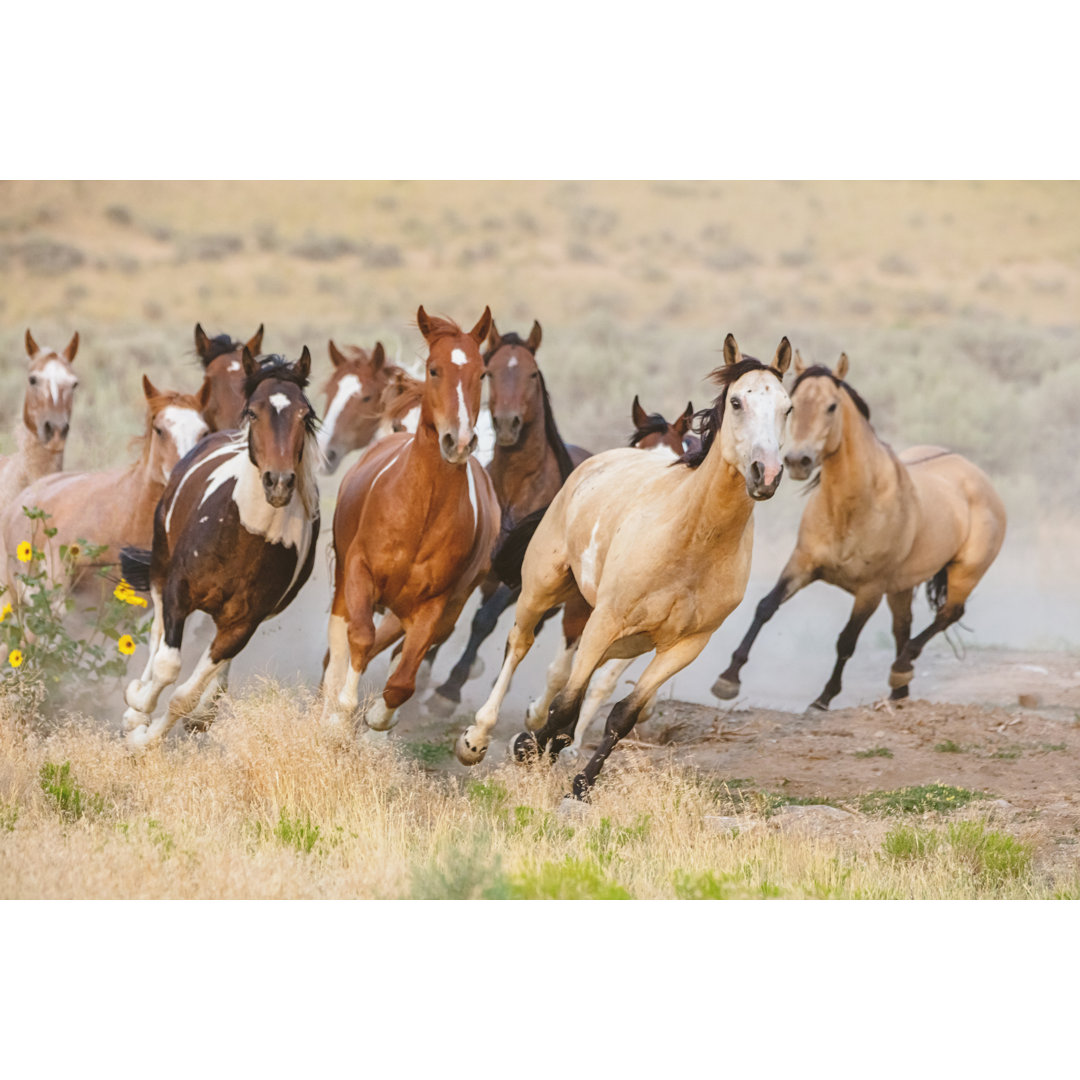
[224, 376]
[234, 536]
[414, 528]
[529, 465]
[657, 551]
[41, 434]
[877, 524]
[652, 431]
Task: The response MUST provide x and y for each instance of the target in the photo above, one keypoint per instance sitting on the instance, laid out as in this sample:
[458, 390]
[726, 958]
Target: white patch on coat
[412, 420]
[348, 387]
[458, 357]
[234, 366]
[464, 424]
[485, 437]
[279, 401]
[185, 426]
[472, 493]
[390, 462]
[58, 378]
[513, 361]
[588, 560]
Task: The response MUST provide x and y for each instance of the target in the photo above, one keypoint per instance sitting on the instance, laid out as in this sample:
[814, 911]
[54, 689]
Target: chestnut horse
[354, 401]
[414, 527]
[877, 524]
[658, 552]
[224, 376]
[234, 536]
[112, 507]
[652, 431]
[529, 465]
[46, 416]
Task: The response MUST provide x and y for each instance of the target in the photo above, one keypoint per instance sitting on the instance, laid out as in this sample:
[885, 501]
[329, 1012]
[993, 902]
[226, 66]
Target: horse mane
[220, 345]
[707, 421]
[654, 424]
[273, 366]
[551, 432]
[400, 395]
[820, 371]
[438, 328]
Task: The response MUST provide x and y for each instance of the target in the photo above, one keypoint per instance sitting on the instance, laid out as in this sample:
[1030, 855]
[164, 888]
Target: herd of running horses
[645, 548]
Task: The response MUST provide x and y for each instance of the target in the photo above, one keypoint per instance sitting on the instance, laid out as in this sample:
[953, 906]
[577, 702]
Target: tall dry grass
[266, 806]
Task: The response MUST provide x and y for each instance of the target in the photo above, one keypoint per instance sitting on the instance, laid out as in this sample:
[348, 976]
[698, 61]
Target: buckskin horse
[41, 435]
[657, 551]
[414, 528]
[234, 536]
[223, 376]
[877, 524]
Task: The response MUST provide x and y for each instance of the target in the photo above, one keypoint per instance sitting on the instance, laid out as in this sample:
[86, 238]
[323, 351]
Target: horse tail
[135, 566]
[937, 589]
[510, 550]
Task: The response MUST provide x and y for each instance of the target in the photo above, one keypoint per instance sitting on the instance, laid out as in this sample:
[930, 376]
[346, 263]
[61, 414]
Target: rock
[1030, 701]
[731, 825]
[573, 809]
[1001, 804]
[810, 818]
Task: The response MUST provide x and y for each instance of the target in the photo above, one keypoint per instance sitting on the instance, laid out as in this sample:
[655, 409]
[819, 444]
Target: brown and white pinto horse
[414, 528]
[234, 536]
[41, 435]
[529, 465]
[652, 431]
[877, 524]
[659, 551]
[113, 507]
[354, 401]
[224, 375]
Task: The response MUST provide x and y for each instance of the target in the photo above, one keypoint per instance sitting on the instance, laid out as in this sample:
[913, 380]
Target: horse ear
[800, 364]
[72, 347]
[682, 425]
[494, 341]
[423, 321]
[480, 331]
[31, 344]
[534, 337]
[202, 342]
[842, 366]
[638, 414]
[255, 344]
[783, 356]
[335, 354]
[302, 367]
[732, 355]
[378, 356]
[250, 367]
[203, 396]
[149, 389]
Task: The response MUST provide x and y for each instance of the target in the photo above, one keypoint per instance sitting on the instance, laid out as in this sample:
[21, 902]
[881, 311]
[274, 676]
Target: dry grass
[265, 806]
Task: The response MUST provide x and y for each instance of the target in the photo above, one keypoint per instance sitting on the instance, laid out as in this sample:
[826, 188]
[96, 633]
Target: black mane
[220, 345]
[654, 424]
[275, 366]
[819, 371]
[707, 422]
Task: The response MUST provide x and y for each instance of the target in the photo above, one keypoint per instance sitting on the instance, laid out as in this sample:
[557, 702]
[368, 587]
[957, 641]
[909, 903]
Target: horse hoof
[379, 717]
[477, 668]
[579, 790]
[899, 693]
[469, 753]
[195, 724]
[898, 679]
[725, 689]
[132, 689]
[524, 748]
[139, 738]
[443, 704]
[375, 736]
[818, 706]
[134, 719]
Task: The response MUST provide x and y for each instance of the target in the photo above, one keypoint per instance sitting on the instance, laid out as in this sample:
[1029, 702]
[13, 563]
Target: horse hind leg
[900, 606]
[864, 607]
[575, 617]
[202, 715]
[600, 689]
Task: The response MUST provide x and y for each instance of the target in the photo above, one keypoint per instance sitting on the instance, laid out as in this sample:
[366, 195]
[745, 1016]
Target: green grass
[9, 814]
[991, 858]
[949, 747]
[908, 842]
[570, 879]
[431, 753]
[745, 883]
[877, 751]
[1007, 753]
[297, 833]
[917, 800]
[65, 794]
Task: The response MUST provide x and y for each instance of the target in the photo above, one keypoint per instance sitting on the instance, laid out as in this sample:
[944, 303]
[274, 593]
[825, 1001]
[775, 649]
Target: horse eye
[432, 371]
[832, 407]
[33, 380]
[74, 384]
[158, 431]
[366, 399]
[535, 375]
[736, 403]
[791, 409]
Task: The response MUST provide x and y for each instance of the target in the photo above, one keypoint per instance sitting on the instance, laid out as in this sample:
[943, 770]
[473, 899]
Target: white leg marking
[379, 717]
[600, 689]
[558, 673]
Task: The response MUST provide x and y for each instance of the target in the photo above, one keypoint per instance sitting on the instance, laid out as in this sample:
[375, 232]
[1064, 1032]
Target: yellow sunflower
[15, 658]
[126, 644]
[5, 611]
[24, 552]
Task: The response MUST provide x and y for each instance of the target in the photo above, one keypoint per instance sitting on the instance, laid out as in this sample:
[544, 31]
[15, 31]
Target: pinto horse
[224, 376]
[234, 536]
[657, 551]
[414, 528]
[877, 524]
[112, 507]
[354, 401]
[529, 465]
[46, 416]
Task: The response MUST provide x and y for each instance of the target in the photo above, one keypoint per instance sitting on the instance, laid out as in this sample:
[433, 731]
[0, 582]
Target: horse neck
[718, 504]
[527, 470]
[38, 460]
[858, 465]
[442, 481]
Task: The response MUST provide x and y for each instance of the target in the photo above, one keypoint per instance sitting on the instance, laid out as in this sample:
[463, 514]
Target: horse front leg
[483, 625]
[162, 667]
[864, 607]
[420, 631]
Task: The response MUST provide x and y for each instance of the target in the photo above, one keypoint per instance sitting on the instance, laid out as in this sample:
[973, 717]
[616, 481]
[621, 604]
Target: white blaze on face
[759, 424]
[185, 426]
[234, 366]
[57, 378]
[279, 401]
[464, 423]
[513, 361]
[458, 357]
[348, 387]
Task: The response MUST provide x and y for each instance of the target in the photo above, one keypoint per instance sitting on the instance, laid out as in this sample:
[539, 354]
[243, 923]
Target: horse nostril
[757, 472]
[806, 461]
[448, 443]
[48, 430]
[64, 431]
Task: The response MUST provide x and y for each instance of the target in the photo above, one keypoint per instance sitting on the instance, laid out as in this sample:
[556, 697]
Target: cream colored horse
[879, 524]
[659, 552]
[41, 434]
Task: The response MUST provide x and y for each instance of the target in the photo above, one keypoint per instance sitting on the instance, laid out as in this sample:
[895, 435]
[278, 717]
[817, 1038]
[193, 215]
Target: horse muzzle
[763, 479]
[278, 487]
[456, 450]
[507, 429]
[800, 463]
[54, 434]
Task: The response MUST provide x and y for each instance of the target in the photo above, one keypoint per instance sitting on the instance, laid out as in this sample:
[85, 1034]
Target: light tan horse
[41, 434]
[659, 551]
[113, 507]
[878, 524]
